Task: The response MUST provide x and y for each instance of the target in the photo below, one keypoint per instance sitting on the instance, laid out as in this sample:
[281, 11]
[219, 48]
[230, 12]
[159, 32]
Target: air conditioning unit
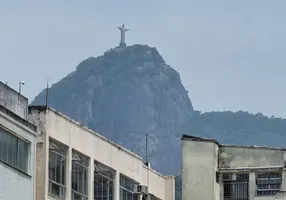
[143, 189]
[136, 189]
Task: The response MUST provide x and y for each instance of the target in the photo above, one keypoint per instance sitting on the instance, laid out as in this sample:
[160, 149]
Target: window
[57, 169]
[128, 189]
[79, 176]
[235, 186]
[14, 151]
[268, 183]
[103, 182]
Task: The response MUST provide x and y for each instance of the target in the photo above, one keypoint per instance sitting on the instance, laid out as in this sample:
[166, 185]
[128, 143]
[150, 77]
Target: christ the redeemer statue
[122, 32]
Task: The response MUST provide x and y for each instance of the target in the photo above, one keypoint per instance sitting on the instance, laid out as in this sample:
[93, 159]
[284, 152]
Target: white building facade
[75, 163]
[212, 171]
[17, 147]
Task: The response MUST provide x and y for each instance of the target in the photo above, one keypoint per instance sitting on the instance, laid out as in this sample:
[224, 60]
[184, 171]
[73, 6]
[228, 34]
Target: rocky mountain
[125, 94]
[129, 92]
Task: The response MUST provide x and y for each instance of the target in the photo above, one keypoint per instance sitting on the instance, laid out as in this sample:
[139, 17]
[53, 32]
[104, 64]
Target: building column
[91, 179]
[116, 186]
[283, 185]
[252, 185]
[69, 174]
[221, 187]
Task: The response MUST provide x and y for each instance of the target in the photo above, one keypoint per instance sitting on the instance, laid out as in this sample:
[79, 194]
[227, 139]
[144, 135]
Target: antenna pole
[47, 94]
[147, 148]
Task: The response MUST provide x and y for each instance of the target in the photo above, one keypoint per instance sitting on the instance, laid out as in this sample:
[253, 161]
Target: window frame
[27, 146]
[269, 191]
[80, 161]
[103, 183]
[58, 151]
[123, 188]
[236, 185]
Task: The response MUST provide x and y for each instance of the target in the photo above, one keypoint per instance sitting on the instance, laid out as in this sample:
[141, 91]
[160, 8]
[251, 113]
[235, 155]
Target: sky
[229, 53]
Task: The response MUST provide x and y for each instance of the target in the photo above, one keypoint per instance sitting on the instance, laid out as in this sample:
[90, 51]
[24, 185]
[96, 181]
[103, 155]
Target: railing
[236, 191]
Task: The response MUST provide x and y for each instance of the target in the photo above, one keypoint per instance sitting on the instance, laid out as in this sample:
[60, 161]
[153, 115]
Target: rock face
[124, 95]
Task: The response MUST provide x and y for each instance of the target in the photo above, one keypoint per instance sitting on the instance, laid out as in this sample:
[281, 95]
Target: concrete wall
[169, 188]
[203, 157]
[252, 160]
[264, 198]
[199, 170]
[15, 185]
[98, 148]
[39, 119]
[238, 157]
[13, 101]
[278, 196]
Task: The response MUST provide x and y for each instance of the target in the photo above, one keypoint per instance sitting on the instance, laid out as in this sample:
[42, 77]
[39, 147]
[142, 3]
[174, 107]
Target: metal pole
[47, 94]
[147, 149]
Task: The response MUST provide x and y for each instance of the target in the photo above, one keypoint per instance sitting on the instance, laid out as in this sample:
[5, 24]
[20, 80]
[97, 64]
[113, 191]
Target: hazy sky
[231, 54]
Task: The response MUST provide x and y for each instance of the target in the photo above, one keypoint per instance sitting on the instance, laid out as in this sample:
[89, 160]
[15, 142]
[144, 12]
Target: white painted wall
[15, 185]
[98, 148]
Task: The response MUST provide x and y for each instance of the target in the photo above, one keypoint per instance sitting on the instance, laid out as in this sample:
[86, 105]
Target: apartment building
[213, 171]
[75, 163]
[17, 147]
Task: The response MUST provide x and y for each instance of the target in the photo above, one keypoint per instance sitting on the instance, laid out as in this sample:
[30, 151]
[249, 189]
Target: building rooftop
[42, 108]
[201, 139]
[13, 100]
[17, 118]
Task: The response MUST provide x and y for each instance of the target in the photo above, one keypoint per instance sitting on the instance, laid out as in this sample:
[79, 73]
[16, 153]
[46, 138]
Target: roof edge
[253, 147]
[18, 118]
[43, 108]
[199, 139]
[12, 89]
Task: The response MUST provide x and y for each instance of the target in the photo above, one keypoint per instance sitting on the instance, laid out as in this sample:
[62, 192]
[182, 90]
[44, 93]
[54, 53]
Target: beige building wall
[203, 157]
[96, 147]
[200, 161]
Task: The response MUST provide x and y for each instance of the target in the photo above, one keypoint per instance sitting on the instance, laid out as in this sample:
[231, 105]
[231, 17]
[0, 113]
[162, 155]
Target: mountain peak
[124, 94]
[136, 50]
[134, 55]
